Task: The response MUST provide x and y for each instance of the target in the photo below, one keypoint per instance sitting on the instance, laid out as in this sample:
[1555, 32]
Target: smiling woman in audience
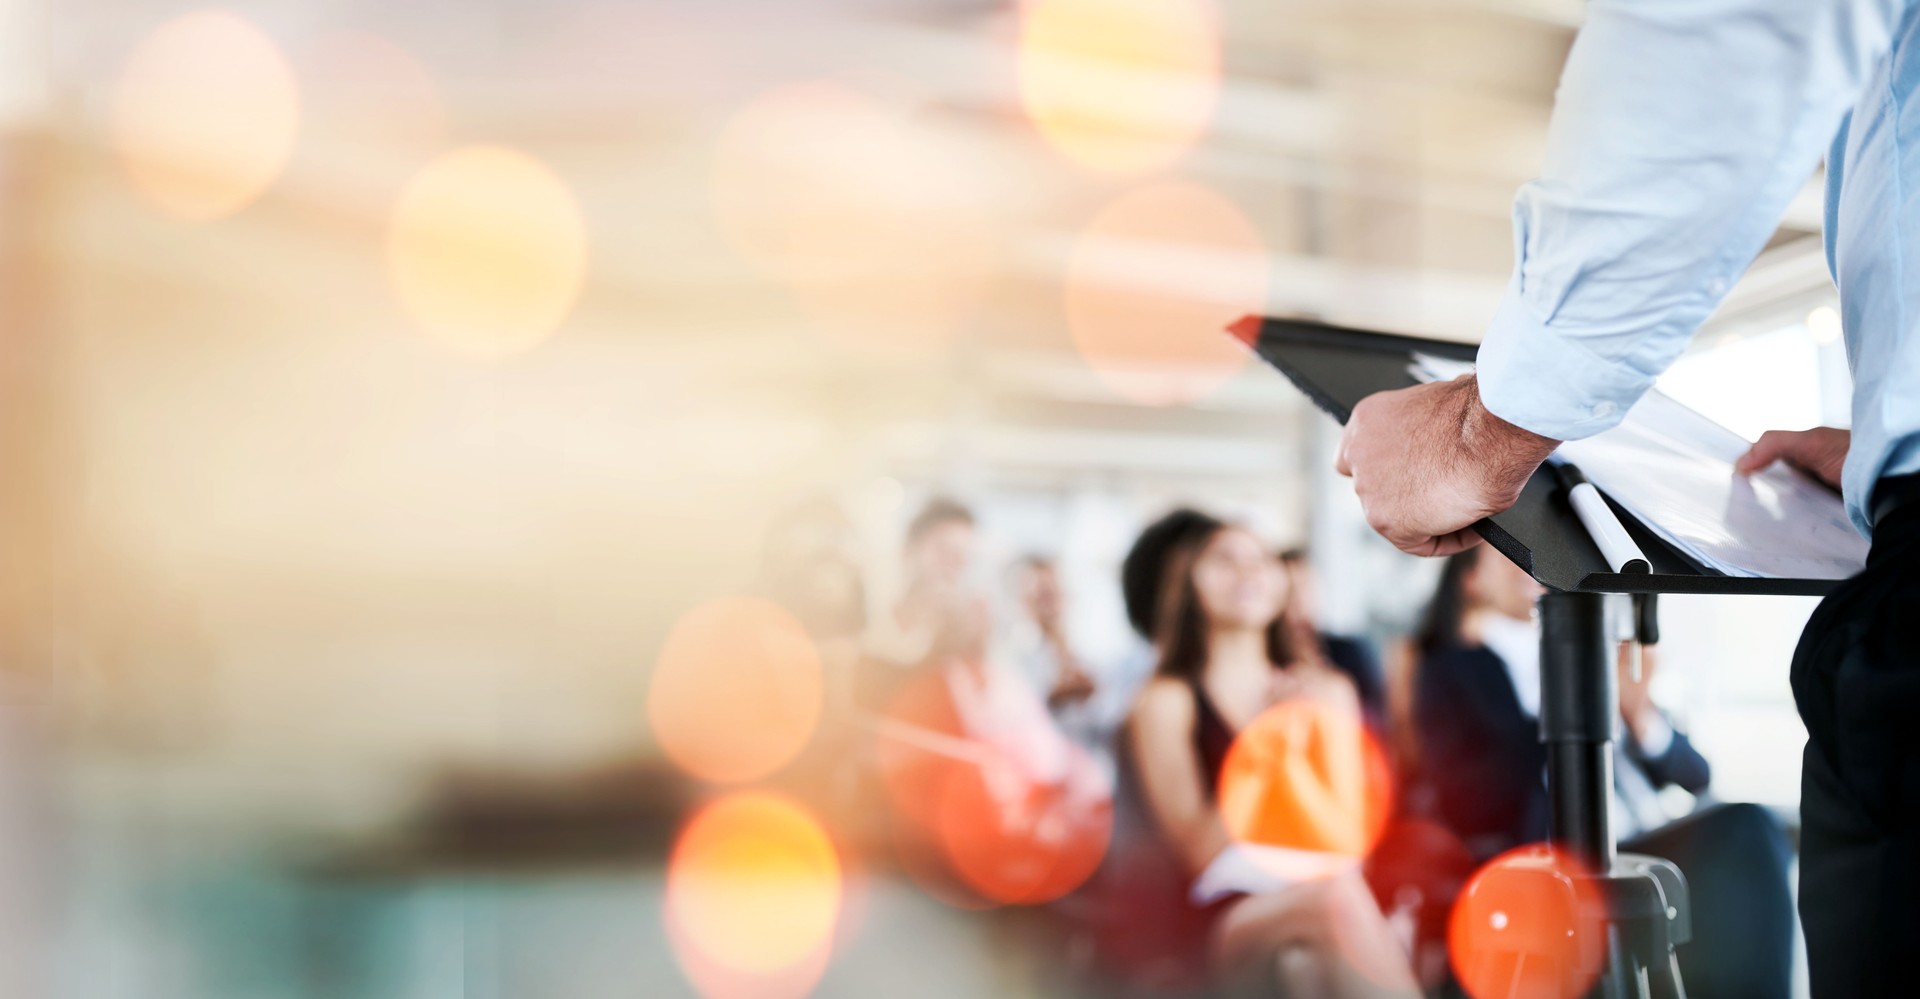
[1224, 662]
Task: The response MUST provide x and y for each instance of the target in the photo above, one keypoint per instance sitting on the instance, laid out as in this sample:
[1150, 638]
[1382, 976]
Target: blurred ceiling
[1374, 144]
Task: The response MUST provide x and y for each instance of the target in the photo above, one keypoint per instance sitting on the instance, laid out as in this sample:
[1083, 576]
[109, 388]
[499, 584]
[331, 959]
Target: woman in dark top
[1476, 716]
[1479, 746]
[1223, 661]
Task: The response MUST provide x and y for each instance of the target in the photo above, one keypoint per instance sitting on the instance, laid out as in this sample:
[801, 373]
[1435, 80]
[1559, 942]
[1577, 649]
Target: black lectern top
[1337, 367]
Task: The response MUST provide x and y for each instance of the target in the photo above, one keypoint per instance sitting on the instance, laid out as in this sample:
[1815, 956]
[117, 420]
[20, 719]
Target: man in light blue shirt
[1682, 128]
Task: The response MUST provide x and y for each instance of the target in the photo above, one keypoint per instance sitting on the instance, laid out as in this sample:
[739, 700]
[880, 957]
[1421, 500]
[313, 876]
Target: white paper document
[1672, 468]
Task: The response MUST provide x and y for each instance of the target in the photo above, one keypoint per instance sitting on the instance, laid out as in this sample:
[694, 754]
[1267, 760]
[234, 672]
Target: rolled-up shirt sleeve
[1680, 132]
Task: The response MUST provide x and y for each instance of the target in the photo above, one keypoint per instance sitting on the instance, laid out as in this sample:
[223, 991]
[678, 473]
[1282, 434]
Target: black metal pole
[1578, 701]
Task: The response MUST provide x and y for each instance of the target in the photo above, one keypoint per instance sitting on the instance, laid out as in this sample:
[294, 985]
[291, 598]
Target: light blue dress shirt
[1681, 130]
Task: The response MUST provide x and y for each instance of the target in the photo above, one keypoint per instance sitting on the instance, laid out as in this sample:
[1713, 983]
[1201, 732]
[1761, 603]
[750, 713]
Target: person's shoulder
[1165, 700]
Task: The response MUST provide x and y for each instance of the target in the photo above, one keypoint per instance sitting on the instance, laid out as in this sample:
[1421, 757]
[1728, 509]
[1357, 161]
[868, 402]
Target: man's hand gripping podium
[1428, 462]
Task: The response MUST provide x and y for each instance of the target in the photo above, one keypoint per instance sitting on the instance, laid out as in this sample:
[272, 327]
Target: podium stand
[1647, 913]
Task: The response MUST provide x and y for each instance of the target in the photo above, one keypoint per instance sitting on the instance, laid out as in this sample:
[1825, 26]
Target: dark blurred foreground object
[489, 819]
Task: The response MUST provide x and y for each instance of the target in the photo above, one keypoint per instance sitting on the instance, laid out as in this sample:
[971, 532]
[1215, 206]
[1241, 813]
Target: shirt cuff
[1657, 739]
[1548, 381]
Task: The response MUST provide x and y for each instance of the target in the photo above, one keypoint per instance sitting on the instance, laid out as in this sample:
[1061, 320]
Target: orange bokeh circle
[737, 691]
[1120, 86]
[1307, 775]
[919, 723]
[1020, 841]
[754, 892]
[974, 824]
[1151, 285]
[1528, 923]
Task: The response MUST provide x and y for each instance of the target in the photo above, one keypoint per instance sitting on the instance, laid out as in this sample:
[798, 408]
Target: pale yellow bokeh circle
[754, 893]
[488, 250]
[1120, 86]
[205, 115]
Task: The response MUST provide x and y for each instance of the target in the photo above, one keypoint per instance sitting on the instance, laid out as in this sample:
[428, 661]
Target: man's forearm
[1680, 133]
[1512, 452]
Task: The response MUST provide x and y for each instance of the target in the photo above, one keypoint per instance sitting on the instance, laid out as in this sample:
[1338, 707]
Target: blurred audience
[939, 613]
[994, 802]
[810, 565]
[1476, 713]
[1088, 701]
[994, 733]
[1041, 645]
[1211, 597]
[1000, 746]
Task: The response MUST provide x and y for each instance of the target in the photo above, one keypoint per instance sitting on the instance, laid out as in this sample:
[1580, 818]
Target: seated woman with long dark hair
[1476, 714]
[1223, 662]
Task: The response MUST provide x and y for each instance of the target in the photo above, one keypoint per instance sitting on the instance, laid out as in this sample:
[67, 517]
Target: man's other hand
[1429, 461]
[1818, 452]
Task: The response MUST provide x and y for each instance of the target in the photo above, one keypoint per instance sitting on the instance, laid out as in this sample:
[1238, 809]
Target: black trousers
[1856, 678]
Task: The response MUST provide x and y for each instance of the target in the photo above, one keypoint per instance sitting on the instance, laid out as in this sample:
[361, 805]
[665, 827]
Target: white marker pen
[1615, 544]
